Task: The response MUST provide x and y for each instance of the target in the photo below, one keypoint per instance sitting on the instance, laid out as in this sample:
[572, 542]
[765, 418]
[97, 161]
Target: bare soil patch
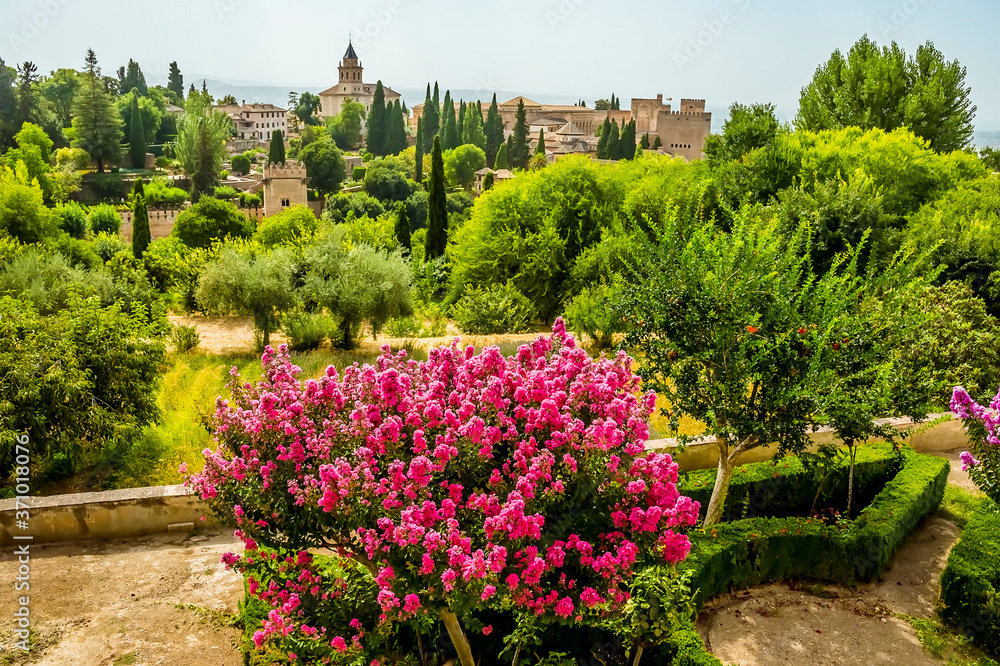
[163, 600]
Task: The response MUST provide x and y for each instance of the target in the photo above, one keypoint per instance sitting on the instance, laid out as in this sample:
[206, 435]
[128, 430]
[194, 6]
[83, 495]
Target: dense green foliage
[437, 207]
[293, 226]
[885, 89]
[201, 143]
[494, 310]
[241, 164]
[969, 597]
[210, 220]
[104, 219]
[140, 221]
[325, 165]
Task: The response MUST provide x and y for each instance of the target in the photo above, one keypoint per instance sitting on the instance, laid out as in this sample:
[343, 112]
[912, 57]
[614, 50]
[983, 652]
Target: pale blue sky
[720, 50]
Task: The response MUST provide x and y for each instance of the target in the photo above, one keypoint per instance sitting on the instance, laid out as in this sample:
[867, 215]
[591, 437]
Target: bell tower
[350, 68]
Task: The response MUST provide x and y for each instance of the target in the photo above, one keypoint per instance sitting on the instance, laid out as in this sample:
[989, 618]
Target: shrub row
[750, 552]
[784, 487]
[970, 580]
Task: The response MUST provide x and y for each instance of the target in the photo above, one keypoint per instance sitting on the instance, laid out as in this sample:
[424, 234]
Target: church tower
[350, 68]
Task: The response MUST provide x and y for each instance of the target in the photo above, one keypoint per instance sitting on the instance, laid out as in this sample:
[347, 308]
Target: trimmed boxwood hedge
[971, 579]
[750, 552]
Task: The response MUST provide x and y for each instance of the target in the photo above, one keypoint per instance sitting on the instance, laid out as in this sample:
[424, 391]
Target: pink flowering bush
[461, 485]
[982, 423]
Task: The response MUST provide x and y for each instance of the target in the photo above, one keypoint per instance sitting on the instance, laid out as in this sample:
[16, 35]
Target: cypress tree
[461, 121]
[437, 207]
[397, 129]
[518, 149]
[602, 142]
[472, 129]
[614, 142]
[140, 220]
[657, 143]
[540, 148]
[644, 142]
[500, 161]
[626, 149]
[403, 228]
[449, 124]
[376, 140]
[419, 155]
[175, 81]
[430, 118]
[192, 90]
[489, 182]
[276, 151]
[137, 134]
[494, 131]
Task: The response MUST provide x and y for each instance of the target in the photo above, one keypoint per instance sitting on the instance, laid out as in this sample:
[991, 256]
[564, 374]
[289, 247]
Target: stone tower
[350, 68]
[285, 185]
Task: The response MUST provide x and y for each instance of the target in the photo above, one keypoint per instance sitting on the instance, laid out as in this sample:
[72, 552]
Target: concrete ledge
[140, 511]
[109, 514]
[703, 453]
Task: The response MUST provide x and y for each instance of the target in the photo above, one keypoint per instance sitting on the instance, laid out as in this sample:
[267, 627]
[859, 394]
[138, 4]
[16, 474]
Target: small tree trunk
[727, 463]
[853, 450]
[638, 656]
[457, 636]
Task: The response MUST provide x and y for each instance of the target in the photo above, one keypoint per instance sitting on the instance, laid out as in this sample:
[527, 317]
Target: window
[285, 203]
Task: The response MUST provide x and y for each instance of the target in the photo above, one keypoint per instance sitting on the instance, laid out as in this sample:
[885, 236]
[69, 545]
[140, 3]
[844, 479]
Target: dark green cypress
[140, 220]
[494, 131]
[397, 129]
[276, 151]
[403, 228]
[518, 149]
[437, 207]
[614, 142]
[489, 182]
[602, 142]
[626, 150]
[540, 148]
[419, 155]
[657, 143]
[449, 125]
[644, 142]
[461, 120]
[137, 135]
[376, 141]
[430, 118]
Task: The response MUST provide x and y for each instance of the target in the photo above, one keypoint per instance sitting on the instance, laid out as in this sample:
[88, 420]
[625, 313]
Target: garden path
[830, 625]
[161, 600]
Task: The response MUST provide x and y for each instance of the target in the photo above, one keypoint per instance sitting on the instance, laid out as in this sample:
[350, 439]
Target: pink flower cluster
[520, 480]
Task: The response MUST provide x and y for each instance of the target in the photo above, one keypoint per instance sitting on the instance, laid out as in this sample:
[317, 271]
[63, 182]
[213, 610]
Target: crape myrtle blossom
[982, 423]
[466, 479]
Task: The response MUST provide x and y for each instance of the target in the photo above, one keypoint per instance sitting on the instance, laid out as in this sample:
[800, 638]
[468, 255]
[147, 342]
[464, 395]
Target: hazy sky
[719, 50]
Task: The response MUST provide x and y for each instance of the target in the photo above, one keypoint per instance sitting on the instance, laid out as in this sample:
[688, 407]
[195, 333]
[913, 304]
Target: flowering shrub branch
[982, 424]
[457, 483]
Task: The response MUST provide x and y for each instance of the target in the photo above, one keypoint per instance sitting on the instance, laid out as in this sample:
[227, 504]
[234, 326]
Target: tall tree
[276, 151]
[97, 124]
[462, 109]
[627, 142]
[345, 127]
[418, 156]
[881, 88]
[493, 130]
[137, 136]
[500, 161]
[131, 77]
[449, 126]
[747, 128]
[403, 228]
[140, 220]
[175, 81]
[437, 207]
[306, 108]
[472, 128]
[644, 141]
[27, 74]
[432, 118]
[378, 117]
[397, 129]
[518, 150]
[614, 142]
[59, 89]
[540, 147]
[8, 106]
[604, 135]
[201, 142]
